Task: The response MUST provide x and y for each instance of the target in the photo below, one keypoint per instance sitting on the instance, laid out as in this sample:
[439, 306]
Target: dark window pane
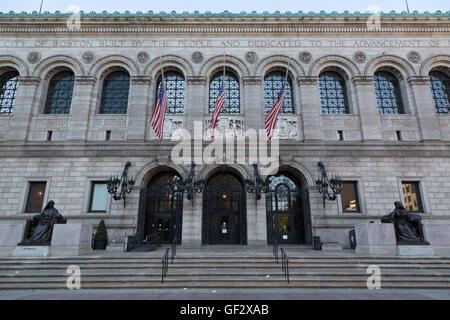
[413, 199]
[174, 91]
[283, 194]
[9, 82]
[273, 83]
[59, 95]
[99, 197]
[349, 197]
[115, 93]
[333, 93]
[232, 93]
[440, 86]
[35, 198]
[387, 89]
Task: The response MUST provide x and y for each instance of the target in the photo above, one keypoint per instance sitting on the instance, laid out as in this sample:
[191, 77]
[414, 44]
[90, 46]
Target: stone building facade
[363, 102]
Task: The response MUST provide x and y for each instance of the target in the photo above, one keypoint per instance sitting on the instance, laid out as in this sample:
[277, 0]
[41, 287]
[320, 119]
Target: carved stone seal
[359, 57]
[34, 57]
[305, 57]
[143, 57]
[88, 57]
[414, 57]
[197, 57]
[251, 57]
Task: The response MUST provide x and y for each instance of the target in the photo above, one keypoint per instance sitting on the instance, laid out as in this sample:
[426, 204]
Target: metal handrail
[285, 263]
[165, 264]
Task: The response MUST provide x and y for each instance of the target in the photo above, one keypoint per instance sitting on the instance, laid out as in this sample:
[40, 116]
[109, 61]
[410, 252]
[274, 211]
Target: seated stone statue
[42, 226]
[407, 225]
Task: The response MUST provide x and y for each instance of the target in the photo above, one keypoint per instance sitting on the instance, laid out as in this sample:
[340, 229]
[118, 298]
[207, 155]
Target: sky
[234, 6]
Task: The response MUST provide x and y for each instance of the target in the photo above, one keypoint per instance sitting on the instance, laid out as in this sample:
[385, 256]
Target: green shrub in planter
[101, 237]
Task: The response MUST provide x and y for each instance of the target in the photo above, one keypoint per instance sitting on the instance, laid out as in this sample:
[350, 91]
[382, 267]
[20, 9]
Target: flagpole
[223, 75]
[162, 73]
[40, 9]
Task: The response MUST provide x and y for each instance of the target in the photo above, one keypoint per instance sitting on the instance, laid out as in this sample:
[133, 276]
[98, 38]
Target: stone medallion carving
[34, 57]
[143, 57]
[414, 57]
[360, 57]
[197, 57]
[88, 57]
[251, 57]
[305, 57]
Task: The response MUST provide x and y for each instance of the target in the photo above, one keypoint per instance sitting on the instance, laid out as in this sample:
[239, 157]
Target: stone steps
[224, 271]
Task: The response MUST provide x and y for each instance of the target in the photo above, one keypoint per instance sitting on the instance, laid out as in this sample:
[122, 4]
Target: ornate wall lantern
[257, 185]
[324, 185]
[125, 183]
[190, 185]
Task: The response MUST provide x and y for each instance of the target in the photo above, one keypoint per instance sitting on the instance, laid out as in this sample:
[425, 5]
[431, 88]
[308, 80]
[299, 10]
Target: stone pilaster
[254, 104]
[311, 110]
[79, 111]
[426, 111]
[137, 108]
[368, 109]
[22, 109]
[194, 107]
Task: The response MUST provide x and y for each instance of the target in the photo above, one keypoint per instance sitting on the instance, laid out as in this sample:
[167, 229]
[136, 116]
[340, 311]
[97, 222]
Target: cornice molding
[196, 80]
[307, 80]
[85, 80]
[139, 80]
[252, 80]
[417, 80]
[362, 80]
[29, 80]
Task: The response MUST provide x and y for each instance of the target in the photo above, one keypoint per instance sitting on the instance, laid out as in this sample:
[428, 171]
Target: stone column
[79, 110]
[254, 104]
[137, 108]
[23, 105]
[426, 111]
[311, 110]
[368, 109]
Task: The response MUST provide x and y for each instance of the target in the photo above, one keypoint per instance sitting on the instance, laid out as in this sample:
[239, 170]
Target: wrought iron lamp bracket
[125, 184]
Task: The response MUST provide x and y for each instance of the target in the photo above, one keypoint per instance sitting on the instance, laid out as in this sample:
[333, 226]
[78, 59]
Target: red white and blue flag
[218, 107]
[159, 114]
[272, 116]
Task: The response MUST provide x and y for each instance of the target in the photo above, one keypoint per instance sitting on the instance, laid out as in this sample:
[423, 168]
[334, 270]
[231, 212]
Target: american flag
[159, 114]
[218, 107]
[272, 116]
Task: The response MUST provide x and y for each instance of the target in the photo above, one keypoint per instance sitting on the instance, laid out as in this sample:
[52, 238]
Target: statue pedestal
[10, 236]
[32, 251]
[71, 239]
[415, 251]
[375, 239]
[438, 235]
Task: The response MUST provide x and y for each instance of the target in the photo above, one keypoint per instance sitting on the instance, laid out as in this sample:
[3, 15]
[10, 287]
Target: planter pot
[100, 244]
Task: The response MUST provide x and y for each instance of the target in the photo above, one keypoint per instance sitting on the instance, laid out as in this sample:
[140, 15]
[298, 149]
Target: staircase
[222, 268]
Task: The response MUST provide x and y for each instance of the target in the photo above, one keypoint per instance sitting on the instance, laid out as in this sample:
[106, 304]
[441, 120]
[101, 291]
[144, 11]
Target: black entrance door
[287, 208]
[224, 218]
[160, 209]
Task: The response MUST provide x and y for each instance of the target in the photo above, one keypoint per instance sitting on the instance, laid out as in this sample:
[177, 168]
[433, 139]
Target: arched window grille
[116, 87]
[59, 95]
[389, 97]
[283, 194]
[174, 91]
[9, 83]
[333, 93]
[232, 93]
[273, 83]
[440, 86]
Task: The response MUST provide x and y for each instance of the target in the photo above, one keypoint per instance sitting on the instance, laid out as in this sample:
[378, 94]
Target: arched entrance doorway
[160, 208]
[224, 210]
[288, 215]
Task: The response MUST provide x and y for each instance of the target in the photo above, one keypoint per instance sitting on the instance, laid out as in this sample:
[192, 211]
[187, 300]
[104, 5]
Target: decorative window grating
[273, 83]
[175, 86]
[440, 86]
[9, 83]
[116, 87]
[389, 97]
[333, 93]
[232, 93]
[59, 95]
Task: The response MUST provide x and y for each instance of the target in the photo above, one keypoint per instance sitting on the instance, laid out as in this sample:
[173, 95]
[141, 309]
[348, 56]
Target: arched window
[283, 193]
[273, 83]
[59, 95]
[333, 93]
[440, 86]
[116, 87]
[389, 96]
[9, 82]
[174, 91]
[232, 93]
